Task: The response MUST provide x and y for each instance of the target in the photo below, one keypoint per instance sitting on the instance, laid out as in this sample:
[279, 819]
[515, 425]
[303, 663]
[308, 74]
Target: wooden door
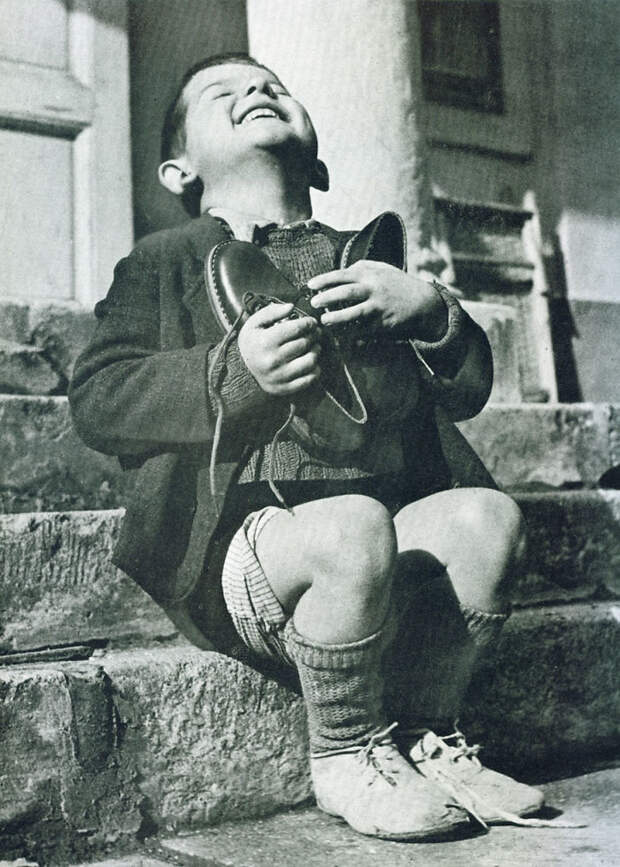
[64, 148]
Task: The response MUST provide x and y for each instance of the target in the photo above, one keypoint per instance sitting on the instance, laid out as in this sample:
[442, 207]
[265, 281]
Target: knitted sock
[431, 661]
[342, 685]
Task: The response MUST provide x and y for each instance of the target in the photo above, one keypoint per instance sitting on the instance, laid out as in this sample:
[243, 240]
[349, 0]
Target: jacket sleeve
[459, 366]
[131, 398]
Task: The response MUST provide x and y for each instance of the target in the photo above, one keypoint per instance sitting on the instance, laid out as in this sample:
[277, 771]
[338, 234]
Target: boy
[370, 531]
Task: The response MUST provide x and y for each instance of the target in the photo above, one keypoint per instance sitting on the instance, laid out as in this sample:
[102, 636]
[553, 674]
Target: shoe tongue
[428, 746]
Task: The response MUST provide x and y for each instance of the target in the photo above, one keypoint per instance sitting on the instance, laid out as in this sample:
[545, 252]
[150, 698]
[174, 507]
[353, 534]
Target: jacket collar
[204, 233]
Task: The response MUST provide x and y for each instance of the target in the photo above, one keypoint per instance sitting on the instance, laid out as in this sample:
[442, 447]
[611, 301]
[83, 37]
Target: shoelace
[462, 748]
[213, 383]
[219, 421]
[367, 755]
[464, 794]
[213, 386]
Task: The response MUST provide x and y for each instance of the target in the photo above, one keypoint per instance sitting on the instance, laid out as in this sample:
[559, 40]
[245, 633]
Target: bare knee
[493, 526]
[497, 515]
[357, 550]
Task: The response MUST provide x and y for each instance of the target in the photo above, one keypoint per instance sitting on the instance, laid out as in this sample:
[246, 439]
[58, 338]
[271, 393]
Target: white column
[355, 65]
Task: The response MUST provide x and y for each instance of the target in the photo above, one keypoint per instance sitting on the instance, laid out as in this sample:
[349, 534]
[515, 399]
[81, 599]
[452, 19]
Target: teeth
[259, 112]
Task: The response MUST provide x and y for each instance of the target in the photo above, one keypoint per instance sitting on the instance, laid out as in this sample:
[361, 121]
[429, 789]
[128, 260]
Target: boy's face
[235, 108]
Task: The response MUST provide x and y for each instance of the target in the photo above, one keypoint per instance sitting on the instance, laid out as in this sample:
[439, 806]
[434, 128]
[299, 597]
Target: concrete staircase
[115, 728]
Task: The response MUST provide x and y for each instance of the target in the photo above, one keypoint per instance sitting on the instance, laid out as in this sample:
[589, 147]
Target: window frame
[484, 93]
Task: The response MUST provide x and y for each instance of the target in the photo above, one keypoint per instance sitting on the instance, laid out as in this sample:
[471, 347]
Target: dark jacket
[140, 391]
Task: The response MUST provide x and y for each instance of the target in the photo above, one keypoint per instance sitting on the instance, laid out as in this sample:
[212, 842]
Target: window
[461, 64]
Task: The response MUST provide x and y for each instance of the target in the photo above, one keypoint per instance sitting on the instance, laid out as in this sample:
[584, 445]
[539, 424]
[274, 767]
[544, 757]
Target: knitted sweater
[300, 252]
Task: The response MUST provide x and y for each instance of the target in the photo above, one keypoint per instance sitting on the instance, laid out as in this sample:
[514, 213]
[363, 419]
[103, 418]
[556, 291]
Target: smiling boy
[383, 581]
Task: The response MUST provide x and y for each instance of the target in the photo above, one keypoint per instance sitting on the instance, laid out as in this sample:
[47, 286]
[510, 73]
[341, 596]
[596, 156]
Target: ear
[176, 175]
[320, 177]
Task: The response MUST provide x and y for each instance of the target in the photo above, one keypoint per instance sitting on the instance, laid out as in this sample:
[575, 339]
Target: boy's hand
[280, 353]
[378, 296]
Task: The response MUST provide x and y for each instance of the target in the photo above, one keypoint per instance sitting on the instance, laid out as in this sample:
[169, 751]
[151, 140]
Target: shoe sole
[430, 835]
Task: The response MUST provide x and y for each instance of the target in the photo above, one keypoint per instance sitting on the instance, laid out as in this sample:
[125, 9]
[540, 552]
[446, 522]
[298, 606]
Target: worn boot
[489, 796]
[357, 771]
[431, 739]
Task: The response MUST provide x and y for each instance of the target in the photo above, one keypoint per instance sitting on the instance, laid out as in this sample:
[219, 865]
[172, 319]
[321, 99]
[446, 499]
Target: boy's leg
[458, 551]
[330, 565]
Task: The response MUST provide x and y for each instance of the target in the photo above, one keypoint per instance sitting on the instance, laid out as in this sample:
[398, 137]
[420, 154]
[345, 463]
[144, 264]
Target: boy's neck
[261, 190]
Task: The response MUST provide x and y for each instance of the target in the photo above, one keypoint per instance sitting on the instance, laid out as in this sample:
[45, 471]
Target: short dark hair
[173, 130]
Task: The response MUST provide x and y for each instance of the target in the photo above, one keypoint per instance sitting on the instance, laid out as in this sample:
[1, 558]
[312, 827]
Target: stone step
[62, 329]
[137, 741]
[25, 369]
[308, 838]
[546, 445]
[44, 466]
[57, 584]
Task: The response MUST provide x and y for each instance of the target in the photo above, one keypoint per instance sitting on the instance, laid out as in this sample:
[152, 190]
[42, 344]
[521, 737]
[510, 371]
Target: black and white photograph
[310, 433]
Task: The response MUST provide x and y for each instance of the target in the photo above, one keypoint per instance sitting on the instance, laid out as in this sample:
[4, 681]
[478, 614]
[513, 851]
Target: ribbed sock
[342, 686]
[430, 663]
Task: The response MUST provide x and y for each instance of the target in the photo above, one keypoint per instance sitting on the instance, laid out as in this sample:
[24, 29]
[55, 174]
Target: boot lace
[372, 756]
[461, 749]
[375, 755]
[469, 799]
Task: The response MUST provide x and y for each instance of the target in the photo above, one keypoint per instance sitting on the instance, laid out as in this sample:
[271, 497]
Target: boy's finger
[347, 314]
[271, 314]
[296, 385]
[299, 384]
[304, 366]
[331, 278]
[292, 329]
[295, 348]
[344, 293]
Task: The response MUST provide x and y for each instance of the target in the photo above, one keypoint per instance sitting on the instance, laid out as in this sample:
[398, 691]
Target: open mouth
[259, 113]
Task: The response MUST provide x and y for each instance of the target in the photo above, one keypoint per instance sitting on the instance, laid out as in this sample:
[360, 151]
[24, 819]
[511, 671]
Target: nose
[260, 84]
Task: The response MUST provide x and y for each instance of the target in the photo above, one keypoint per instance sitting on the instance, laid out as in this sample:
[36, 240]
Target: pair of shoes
[377, 791]
[490, 797]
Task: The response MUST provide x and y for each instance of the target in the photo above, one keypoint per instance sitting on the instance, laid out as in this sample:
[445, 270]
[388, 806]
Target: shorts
[257, 615]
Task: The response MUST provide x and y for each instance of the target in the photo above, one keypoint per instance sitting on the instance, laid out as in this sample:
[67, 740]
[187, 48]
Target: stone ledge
[574, 546]
[307, 837]
[180, 738]
[551, 687]
[63, 790]
[61, 329]
[546, 445]
[57, 583]
[43, 463]
[44, 466]
[25, 369]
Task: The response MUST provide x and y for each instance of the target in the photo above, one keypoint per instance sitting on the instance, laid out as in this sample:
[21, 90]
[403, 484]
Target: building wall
[582, 192]
[555, 144]
[562, 57]
[166, 37]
